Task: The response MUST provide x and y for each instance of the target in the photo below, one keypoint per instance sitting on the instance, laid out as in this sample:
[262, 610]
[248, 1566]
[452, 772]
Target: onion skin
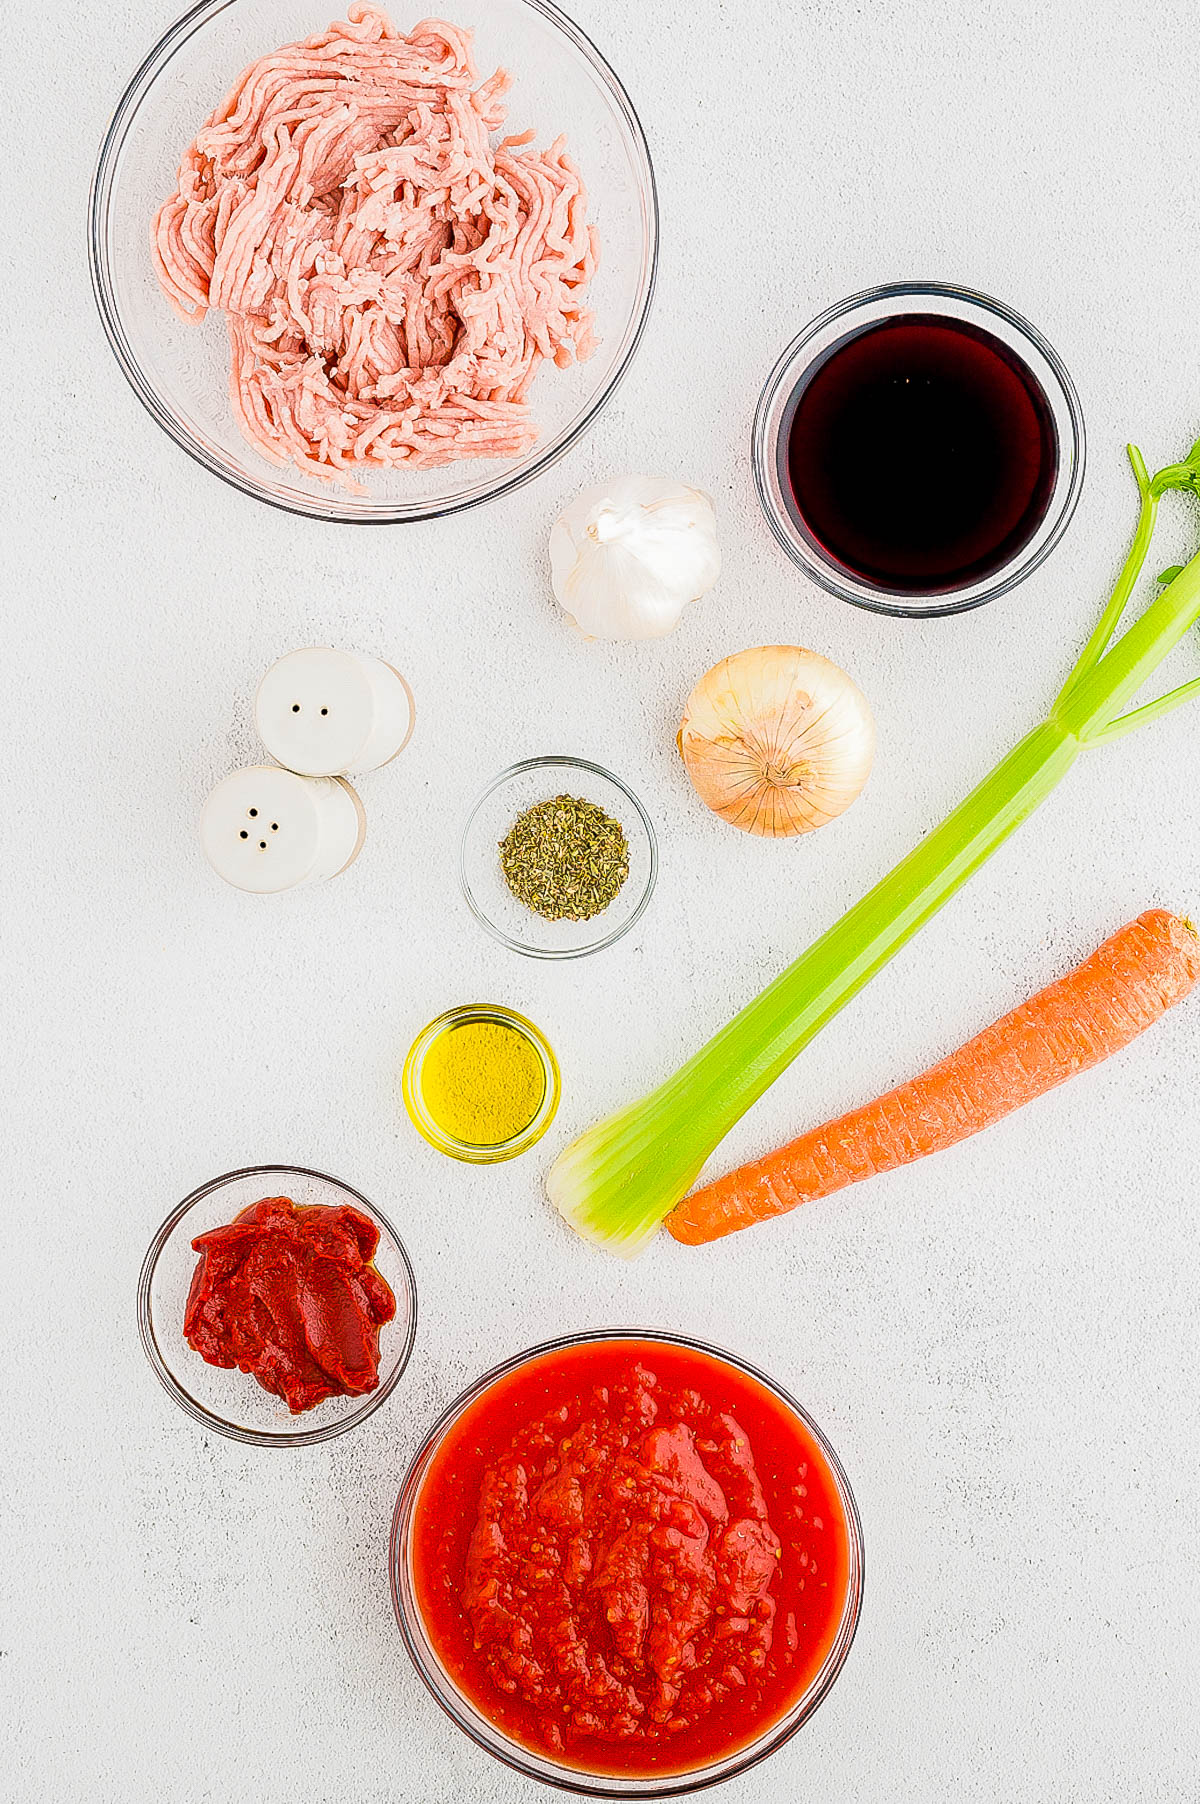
[777, 741]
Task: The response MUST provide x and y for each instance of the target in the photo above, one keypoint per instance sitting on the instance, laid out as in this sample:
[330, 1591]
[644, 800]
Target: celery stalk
[616, 1183]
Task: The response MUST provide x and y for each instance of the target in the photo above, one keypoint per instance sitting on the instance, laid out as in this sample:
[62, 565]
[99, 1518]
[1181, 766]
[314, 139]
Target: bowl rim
[422, 1116]
[929, 604]
[573, 1779]
[322, 507]
[560, 761]
[301, 1437]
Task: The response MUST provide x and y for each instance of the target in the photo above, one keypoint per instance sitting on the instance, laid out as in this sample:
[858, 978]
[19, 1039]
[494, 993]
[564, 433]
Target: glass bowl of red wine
[919, 449]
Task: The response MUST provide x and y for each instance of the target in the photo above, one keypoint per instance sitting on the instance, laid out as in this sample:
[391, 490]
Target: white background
[1002, 1343]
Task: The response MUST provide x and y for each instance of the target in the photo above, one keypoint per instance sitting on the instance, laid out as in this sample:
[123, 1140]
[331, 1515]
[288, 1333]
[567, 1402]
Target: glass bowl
[772, 422]
[488, 895]
[427, 1124]
[229, 1401]
[181, 373]
[541, 1766]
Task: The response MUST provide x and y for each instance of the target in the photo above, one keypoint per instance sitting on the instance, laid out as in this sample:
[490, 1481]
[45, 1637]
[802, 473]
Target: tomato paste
[289, 1294]
[631, 1557]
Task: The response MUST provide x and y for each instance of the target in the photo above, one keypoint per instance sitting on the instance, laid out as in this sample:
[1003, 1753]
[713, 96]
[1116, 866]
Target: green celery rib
[616, 1182]
[1106, 626]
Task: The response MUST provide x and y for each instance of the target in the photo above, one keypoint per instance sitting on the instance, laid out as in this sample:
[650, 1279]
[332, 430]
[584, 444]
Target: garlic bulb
[778, 740]
[628, 555]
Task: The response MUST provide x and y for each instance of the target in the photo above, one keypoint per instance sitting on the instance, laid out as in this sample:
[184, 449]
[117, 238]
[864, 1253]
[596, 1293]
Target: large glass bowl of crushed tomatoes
[627, 1564]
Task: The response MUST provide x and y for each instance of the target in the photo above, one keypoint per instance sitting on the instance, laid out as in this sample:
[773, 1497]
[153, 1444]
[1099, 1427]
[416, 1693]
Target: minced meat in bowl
[350, 463]
[627, 1564]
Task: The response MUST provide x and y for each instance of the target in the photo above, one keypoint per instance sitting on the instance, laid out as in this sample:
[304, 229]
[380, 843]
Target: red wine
[920, 453]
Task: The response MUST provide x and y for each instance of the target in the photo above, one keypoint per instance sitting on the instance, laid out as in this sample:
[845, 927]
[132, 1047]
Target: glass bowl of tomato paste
[627, 1564]
[233, 1402]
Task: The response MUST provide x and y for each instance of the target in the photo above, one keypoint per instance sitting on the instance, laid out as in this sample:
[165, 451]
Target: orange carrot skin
[1085, 1017]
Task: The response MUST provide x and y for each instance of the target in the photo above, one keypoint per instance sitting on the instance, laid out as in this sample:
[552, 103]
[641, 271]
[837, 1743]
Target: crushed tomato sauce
[289, 1294]
[631, 1557]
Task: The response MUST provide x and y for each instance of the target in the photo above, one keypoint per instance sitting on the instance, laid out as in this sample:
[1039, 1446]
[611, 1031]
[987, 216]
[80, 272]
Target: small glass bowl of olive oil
[481, 1083]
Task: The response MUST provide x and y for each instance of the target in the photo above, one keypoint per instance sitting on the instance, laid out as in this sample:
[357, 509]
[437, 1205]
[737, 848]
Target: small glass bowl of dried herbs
[558, 858]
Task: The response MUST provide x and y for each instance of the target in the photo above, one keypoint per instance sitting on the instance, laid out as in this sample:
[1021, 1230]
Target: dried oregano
[565, 858]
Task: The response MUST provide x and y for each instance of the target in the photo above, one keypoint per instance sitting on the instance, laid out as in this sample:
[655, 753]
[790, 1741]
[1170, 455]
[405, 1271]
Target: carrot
[1086, 1016]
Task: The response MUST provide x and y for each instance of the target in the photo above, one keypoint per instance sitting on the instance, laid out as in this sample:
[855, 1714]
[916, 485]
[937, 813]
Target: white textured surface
[1002, 1343]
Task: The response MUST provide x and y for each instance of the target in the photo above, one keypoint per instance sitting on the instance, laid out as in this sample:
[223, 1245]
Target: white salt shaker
[323, 712]
[267, 829]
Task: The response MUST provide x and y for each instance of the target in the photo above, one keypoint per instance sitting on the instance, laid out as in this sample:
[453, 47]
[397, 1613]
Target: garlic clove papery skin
[777, 740]
[628, 555]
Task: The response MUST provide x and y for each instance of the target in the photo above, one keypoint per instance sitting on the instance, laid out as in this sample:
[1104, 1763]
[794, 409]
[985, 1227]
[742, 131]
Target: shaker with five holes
[267, 829]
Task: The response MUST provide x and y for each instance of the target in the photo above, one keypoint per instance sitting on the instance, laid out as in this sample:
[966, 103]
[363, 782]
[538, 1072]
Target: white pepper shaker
[323, 712]
[267, 829]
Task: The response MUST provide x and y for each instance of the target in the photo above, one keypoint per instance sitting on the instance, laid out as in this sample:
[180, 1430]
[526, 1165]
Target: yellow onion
[777, 740]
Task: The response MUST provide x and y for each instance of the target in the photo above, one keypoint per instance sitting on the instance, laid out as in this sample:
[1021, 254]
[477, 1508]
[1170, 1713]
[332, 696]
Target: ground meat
[392, 277]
